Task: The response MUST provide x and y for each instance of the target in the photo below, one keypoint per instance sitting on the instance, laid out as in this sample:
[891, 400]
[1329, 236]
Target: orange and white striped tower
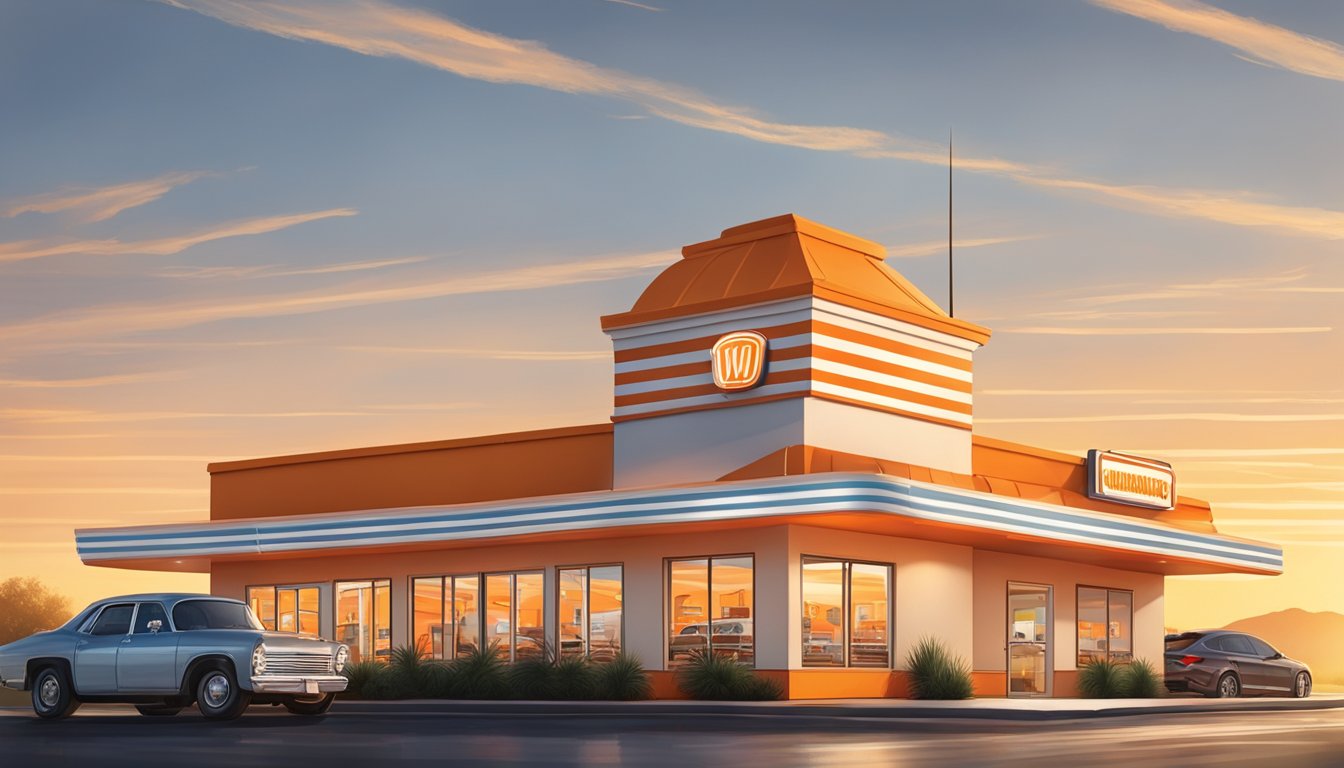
[786, 332]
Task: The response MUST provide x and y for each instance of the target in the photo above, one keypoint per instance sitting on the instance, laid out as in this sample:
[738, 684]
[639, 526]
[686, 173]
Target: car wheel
[157, 710]
[219, 697]
[53, 696]
[318, 707]
[1302, 686]
[1229, 687]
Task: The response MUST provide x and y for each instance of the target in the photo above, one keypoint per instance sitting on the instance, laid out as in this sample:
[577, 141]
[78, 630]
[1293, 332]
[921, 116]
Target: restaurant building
[789, 477]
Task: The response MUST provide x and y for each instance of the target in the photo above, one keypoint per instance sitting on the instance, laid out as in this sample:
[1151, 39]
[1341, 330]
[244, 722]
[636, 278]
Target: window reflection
[711, 603]
[295, 609]
[590, 612]
[1105, 625]
[363, 618]
[846, 613]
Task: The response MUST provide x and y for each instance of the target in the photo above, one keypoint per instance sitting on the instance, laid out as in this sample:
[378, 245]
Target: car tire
[218, 695]
[157, 710]
[310, 708]
[53, 695]
[1301, 685]
[1228, 687]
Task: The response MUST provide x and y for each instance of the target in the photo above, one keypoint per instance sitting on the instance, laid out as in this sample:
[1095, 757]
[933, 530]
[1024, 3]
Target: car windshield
[1181, 642]
[213, 614]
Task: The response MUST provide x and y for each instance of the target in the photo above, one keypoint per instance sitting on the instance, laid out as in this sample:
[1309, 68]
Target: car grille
[297, 663]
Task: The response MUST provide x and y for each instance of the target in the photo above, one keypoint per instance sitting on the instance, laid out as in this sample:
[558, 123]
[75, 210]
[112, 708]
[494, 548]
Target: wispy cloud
[165, 246]
[486, 354]
[148, 458]
[272, 270]
[1260, 42]
[1127, 417]
[92, 204]
[633, 4]
[1300, 506]
[112, 320]
[1163, 331]
[1226, 286]
[1078, 392]
[932, 247]
[379, 29]
[66, 416]
[89, 381]
[1300, 485]
[1231, 453]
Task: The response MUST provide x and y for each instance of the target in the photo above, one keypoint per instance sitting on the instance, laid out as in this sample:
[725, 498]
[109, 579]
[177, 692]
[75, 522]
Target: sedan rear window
[1183, 641]
[213, 614]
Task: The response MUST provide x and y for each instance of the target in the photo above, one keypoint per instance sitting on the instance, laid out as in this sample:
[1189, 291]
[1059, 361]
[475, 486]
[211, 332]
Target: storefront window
[428, 628]
[590, 612]
[846, 613]
[1105, 625]
[514, 609]
[293, 609]
[445, 615]
[363, 618]
[711, 604]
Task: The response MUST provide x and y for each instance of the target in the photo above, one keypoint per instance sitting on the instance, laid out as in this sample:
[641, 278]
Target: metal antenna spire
[950, 278]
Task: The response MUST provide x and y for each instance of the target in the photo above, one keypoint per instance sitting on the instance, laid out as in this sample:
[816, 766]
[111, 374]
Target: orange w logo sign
[738, 360]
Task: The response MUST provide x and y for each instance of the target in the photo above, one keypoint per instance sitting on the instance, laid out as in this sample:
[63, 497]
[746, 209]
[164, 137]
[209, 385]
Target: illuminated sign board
[1127, 479]
[738, 360]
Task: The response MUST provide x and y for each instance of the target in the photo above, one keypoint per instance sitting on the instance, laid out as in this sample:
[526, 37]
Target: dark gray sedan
[164, 652]
[1225, 664]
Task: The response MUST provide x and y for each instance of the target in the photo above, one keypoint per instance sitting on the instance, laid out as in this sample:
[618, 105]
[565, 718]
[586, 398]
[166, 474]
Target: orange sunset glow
[233, 230]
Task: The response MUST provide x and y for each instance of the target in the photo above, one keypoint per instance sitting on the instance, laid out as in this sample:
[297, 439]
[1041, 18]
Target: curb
[828, 711]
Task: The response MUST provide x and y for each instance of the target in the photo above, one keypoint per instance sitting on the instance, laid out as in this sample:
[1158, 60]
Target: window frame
[587, 605]
[846, 590]
[336, 615]
[1110, 653]
[709, 598]
[298, 587]
[448, 596]
[93, 622]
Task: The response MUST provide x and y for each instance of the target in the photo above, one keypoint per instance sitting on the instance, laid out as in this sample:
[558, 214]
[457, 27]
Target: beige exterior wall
[993, 571]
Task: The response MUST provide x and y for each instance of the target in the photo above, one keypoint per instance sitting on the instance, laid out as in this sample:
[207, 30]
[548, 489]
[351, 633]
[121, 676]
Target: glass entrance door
[1029, 652]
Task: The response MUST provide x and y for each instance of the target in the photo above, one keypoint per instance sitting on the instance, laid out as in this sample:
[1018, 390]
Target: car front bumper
[299, 684]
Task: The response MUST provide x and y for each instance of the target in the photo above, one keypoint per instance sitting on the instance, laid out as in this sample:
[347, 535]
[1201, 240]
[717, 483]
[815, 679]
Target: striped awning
[778, 497]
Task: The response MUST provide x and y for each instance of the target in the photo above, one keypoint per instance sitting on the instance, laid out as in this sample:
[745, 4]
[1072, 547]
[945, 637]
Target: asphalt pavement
[116, 736]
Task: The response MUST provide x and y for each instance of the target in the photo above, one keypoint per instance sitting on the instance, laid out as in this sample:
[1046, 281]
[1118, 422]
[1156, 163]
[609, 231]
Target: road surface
[116, 736]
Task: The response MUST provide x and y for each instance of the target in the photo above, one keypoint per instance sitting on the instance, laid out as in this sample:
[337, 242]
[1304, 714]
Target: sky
[232, 229]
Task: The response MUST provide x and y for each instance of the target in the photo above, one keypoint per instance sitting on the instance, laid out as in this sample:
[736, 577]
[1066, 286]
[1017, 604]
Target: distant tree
[27, 606]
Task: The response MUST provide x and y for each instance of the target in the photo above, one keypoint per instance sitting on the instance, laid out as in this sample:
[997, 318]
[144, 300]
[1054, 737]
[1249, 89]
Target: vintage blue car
[163, 652]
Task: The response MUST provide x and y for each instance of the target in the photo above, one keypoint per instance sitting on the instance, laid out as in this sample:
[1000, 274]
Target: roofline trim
[773, 497]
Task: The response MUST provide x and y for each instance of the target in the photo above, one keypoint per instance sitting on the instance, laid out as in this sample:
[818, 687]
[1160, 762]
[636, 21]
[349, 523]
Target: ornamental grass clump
[358, 676]
[935, 673]
[715, 677]
[532, 678]
[623, 679]
[575, 679]
[1102, 679]
[479, 673]
[1141, 680]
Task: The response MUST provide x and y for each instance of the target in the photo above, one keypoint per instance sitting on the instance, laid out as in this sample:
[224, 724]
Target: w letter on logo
[739, 360]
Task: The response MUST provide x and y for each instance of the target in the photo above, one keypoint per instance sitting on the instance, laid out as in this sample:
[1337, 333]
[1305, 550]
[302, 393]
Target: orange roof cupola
[784, 257]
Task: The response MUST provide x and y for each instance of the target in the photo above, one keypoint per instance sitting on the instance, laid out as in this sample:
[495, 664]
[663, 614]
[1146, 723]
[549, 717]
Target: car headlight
[338, 661]
[259, 660]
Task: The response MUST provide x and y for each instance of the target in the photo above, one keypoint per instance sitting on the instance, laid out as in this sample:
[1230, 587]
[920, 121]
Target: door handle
[127, 640]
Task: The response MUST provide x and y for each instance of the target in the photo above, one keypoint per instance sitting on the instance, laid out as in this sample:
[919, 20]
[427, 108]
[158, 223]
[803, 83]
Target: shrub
[1140, 680]
[935, 673]
[713, 677]
[439, 681]
[405, 674]
[359, 676]
[574, 678]
[480, 673]
[532, 678]
[623, 679]
[1101, 679]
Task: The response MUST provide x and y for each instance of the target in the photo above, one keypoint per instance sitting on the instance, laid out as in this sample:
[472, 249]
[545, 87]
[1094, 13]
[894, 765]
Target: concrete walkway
[978, 709]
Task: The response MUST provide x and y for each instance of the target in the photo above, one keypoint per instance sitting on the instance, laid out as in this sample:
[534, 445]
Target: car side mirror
[1277, 655]
[154, 626]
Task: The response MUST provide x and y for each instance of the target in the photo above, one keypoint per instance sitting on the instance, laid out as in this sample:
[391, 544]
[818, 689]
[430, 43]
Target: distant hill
[1316, 638]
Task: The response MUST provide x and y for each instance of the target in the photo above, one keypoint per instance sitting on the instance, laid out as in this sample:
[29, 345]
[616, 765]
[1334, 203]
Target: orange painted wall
[540, 463]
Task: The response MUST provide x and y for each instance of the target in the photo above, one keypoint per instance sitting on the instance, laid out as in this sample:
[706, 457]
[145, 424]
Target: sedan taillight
[1188, 660]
